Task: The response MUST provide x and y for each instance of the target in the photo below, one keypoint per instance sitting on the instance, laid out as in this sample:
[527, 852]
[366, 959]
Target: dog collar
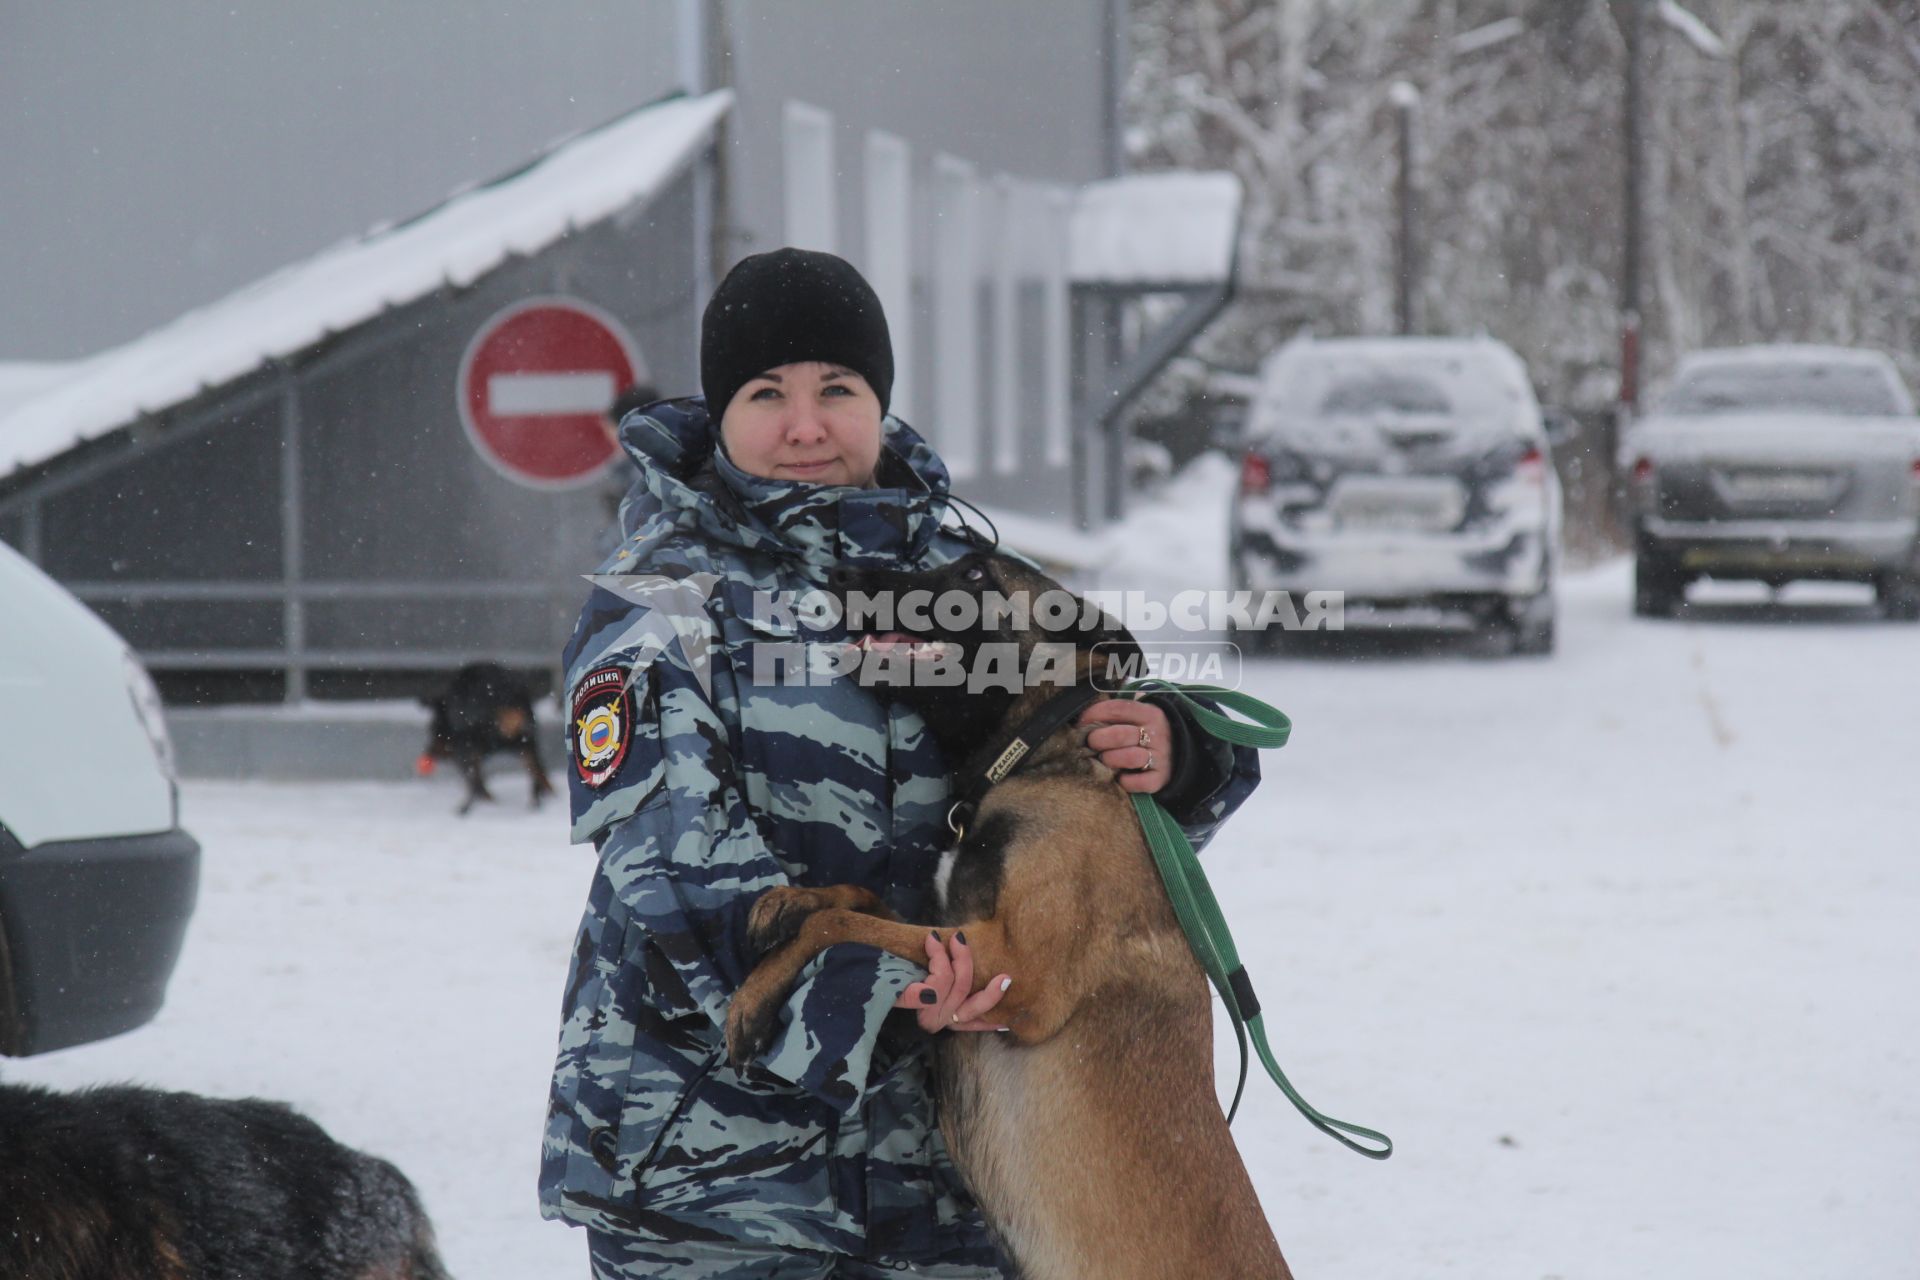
[1015, 748]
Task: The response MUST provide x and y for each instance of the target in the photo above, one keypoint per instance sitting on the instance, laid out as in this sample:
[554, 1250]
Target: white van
[97, 879]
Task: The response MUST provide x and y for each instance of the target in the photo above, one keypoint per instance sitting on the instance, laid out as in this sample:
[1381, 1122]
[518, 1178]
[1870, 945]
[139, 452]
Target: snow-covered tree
[1782, 189]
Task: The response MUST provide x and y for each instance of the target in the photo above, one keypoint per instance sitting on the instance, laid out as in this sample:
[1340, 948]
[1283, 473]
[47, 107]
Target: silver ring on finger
[1146, 739]
[1149, 768]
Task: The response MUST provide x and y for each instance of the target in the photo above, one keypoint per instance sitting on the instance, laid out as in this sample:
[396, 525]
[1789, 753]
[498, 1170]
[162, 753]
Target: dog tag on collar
[600, 721]
[1016, 751]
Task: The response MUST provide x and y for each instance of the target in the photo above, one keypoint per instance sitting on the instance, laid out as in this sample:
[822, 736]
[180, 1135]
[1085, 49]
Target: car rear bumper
[89, 934]
[1507, 562]
[1814, 548]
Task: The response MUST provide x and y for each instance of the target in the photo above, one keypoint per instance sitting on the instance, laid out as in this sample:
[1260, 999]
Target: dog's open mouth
[898, 642]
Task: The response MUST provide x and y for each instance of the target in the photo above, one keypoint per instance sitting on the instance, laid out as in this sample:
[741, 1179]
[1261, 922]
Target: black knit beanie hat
[787, 306]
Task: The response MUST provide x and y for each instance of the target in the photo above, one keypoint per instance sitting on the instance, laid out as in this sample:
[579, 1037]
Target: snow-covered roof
[1155, 228]
[581, 181]
[1388, 351]
[1776, 352]
[1471, 371]
[21, 380]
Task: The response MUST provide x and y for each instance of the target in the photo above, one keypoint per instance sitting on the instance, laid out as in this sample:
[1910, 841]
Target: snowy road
[1612, 944]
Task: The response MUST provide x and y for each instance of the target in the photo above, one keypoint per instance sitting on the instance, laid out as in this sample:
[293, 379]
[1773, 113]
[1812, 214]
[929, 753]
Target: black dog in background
[486, 709]
[127, 1183]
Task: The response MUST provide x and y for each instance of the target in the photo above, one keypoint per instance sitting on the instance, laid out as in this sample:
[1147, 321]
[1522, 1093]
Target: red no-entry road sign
[534, 388]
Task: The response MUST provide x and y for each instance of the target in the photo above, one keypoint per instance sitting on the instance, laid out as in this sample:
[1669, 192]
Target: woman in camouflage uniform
[705, 773]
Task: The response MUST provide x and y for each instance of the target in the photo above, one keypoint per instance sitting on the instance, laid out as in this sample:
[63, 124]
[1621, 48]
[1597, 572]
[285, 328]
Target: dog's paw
[750, 1028]
[776, 918]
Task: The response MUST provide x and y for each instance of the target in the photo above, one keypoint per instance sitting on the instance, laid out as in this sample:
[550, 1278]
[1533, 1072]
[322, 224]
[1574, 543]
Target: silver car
[1777, 463]
[1411, 474]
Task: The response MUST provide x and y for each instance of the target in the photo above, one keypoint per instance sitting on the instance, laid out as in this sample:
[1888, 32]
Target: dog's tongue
[888, 640]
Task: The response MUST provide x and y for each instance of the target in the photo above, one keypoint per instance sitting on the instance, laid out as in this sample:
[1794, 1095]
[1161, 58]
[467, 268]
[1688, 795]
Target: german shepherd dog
[486, 709]
[1090, 1134]
[126, 1183]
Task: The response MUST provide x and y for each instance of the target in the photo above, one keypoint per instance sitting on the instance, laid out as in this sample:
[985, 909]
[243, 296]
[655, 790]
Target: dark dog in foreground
[126, 1183]
[485, 710]
[1090, 1134]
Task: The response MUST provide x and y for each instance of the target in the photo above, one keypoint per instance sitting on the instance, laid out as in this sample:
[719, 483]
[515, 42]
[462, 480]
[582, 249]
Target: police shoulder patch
[600, 721]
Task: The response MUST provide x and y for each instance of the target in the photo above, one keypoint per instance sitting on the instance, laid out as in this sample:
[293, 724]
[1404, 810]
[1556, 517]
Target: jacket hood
[692, 481]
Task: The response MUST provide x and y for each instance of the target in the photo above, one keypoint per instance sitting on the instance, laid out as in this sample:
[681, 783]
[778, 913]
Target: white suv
[1412, 474]
[97, 880]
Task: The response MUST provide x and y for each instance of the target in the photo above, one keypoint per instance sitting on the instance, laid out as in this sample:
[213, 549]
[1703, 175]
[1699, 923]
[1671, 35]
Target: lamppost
[1635, 28]
[1677, 18]
[1406, 101]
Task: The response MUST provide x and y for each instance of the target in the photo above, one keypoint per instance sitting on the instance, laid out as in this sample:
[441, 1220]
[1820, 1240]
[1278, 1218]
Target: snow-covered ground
[391, 969]
[1619, 946]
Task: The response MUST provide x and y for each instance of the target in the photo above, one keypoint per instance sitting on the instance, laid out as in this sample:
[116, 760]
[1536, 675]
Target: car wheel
[1534, 637]
[1248, 641]
[1532, 619]
[1900, 596]
[1254, 642]
[1658, 588]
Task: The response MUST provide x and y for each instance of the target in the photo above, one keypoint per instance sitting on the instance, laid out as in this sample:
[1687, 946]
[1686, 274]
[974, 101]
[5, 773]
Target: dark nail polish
[935, 935]
[928, 996]
[960, 938]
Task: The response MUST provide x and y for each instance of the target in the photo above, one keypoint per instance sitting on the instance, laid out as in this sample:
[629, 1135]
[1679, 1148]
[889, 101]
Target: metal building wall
[331, 521]
[159, 156]
[1007, 85]
[1011, 88]
[225, 143]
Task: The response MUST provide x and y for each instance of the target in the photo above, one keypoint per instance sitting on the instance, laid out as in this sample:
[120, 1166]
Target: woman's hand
[946, 1001]
[1133, 739]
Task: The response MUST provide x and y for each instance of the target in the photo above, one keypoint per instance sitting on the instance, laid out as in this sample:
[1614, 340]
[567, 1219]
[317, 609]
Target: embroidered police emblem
[601, 724]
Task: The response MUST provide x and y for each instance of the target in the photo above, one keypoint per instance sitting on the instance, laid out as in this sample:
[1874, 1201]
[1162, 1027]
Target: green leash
[1199, 912]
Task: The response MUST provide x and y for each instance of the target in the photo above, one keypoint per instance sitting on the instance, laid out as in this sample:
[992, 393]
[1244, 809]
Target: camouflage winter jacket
[703, 785]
